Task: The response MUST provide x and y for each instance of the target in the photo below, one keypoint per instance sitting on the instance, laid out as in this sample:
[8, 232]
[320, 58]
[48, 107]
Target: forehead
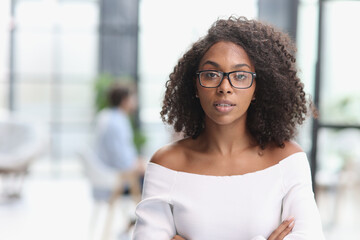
[226, 53]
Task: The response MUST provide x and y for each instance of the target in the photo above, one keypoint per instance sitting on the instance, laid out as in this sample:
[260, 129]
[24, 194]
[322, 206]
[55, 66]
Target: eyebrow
[217, 65]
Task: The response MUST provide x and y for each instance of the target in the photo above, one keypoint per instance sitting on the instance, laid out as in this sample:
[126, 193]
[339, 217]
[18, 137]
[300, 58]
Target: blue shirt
[114, 139]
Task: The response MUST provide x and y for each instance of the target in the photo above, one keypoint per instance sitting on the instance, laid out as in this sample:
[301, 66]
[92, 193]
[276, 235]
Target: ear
[253, 99]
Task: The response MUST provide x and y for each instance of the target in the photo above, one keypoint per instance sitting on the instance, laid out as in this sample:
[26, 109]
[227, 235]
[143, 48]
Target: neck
[226, 139]
[122, 109]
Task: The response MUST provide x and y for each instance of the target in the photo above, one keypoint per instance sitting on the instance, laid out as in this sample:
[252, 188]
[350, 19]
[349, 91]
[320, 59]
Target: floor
[59, 209]
[62, 208]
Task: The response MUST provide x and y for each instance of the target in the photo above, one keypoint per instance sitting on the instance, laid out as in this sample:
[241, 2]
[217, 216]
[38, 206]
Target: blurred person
[114, 147]
[237, 174]
[114, 144]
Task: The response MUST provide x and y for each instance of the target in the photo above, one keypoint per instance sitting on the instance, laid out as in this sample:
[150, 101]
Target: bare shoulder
[171, 156]
[290, 148]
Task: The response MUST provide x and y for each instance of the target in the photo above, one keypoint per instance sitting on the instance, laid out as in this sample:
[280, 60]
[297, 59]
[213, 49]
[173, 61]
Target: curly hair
[280, 99]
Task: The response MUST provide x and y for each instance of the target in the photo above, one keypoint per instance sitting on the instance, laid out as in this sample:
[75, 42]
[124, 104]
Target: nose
[225, 86]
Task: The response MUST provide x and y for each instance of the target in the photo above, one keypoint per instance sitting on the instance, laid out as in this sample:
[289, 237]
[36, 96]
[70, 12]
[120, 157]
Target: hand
[177, 237]
[283, 230]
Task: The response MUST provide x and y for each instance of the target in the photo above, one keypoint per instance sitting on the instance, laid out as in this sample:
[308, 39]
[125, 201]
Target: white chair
[107, 185]
[101, 177]
[20, 144]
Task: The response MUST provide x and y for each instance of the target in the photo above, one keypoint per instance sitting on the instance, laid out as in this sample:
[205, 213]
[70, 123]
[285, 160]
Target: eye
[240, 76]
[210, 75]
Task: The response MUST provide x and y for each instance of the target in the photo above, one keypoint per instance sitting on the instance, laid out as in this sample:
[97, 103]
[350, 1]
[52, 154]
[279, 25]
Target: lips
[224, 103]
[224, 106]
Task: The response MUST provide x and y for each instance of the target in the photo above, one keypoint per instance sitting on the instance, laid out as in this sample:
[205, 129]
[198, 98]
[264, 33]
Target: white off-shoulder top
[238, 207]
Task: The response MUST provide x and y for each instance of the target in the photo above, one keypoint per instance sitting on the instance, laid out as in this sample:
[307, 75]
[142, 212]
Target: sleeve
[120, 150]
[154, 213]
[299, 200]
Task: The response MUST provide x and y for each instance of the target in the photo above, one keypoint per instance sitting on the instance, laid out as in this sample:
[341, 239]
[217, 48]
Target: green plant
[139, 137]
[102, 85]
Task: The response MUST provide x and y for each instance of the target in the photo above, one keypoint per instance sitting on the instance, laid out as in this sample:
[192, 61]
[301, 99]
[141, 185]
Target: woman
[237, 174]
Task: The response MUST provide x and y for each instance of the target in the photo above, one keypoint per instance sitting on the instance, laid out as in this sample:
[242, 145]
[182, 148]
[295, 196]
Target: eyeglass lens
[238, 79]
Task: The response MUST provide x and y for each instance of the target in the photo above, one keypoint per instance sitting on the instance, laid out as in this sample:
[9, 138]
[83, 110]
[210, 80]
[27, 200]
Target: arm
[154, 212]
[278, 234]
[299, 201]
[154, 220]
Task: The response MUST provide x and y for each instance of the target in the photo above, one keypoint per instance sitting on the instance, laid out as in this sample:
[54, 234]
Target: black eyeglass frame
[226, 74]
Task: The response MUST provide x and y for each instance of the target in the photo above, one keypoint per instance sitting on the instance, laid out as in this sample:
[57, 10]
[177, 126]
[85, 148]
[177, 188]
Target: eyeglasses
[237, 79]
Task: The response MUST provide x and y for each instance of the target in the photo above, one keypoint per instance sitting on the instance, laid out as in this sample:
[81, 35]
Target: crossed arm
[278, 234]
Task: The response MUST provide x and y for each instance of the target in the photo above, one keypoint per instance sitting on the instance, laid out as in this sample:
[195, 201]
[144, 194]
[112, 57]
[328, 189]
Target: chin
[224, 120]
